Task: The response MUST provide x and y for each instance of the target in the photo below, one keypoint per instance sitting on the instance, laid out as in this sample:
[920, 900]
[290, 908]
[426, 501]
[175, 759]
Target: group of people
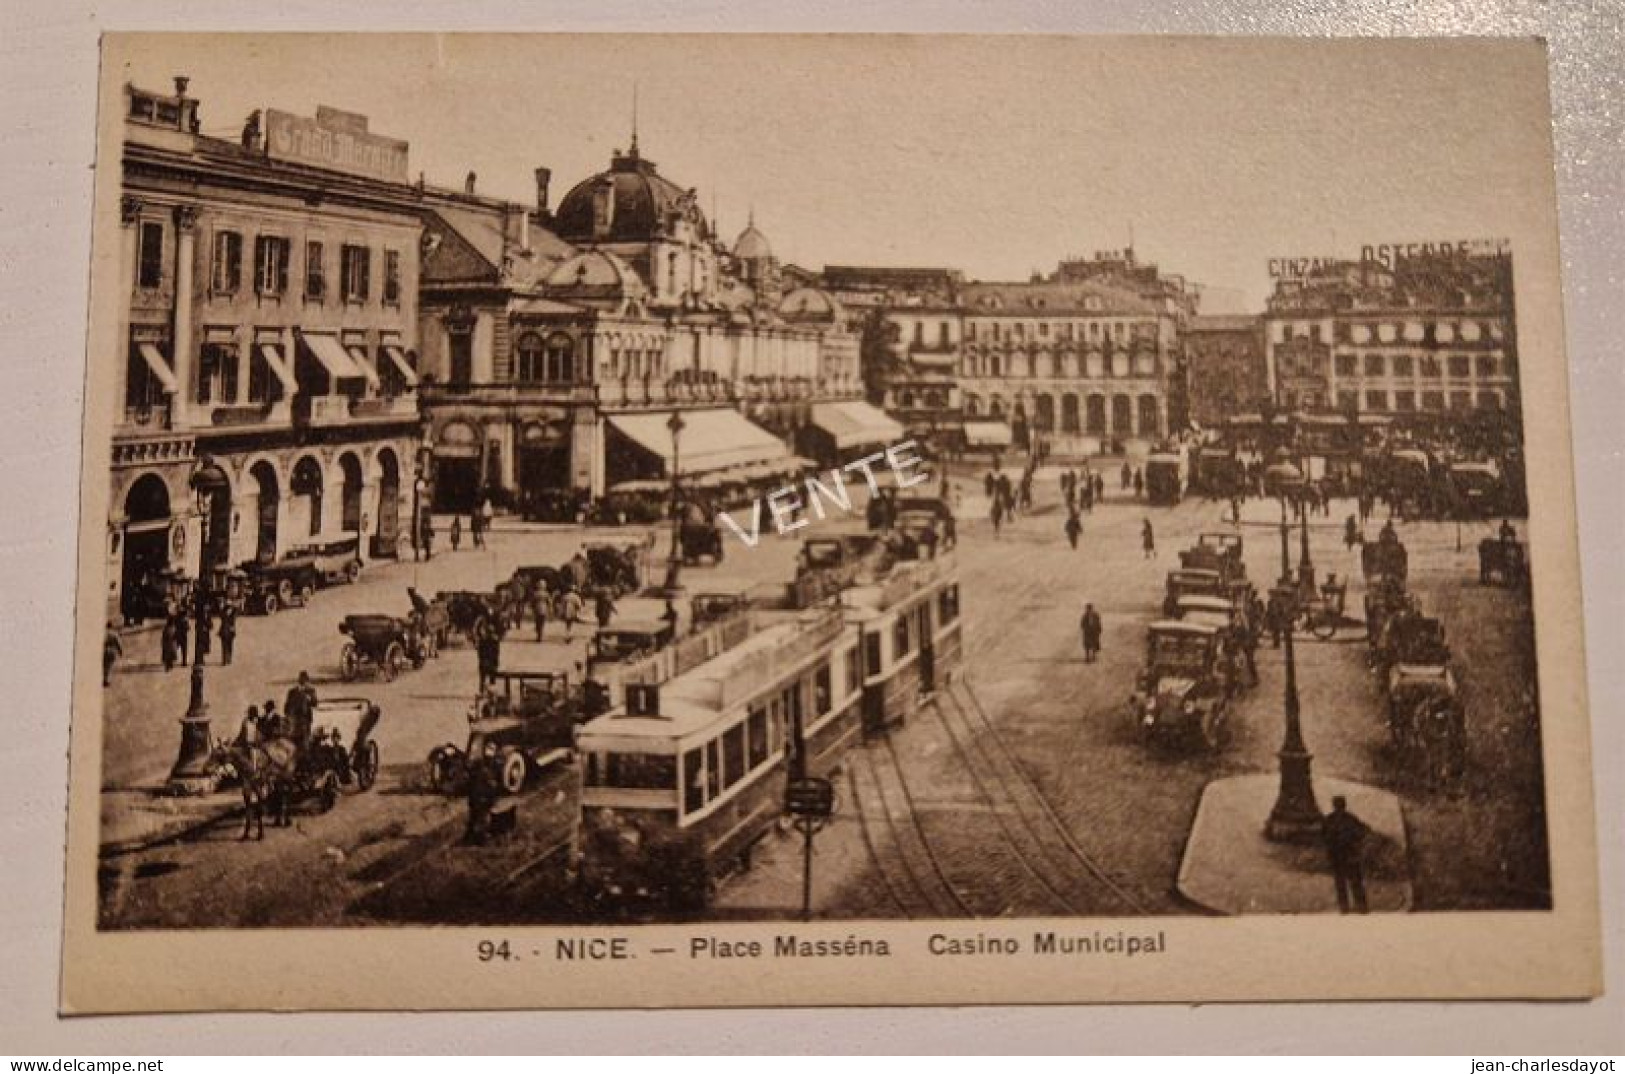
[479, 524]
[216, 618]
[262, 723]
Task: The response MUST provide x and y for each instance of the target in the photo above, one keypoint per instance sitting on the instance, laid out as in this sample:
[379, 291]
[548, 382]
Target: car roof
[1183, 626]
[1206, 602]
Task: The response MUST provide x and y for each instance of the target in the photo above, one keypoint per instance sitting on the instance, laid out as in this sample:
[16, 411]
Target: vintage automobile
[1476, 489]
[1385, 597]
[1425, 719]
[530, 717]
[155, 595]
[288, 583]
[1164, 474]
[1183, 694]
[627, 640]
[383, 644]
[711, 607]
[700, 540]
[916, 517]
[1184, 581]
[1216, 552]
[618, 565]
[468, 612]
[1502, 562]
[1410, 637]
[1385, 557]
[334, 561]
[1212, 610]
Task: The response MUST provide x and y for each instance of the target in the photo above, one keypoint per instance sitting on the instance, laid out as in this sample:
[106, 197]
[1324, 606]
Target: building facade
[540, 328]
[1422, 338]
[1224, 373]
[268, 328]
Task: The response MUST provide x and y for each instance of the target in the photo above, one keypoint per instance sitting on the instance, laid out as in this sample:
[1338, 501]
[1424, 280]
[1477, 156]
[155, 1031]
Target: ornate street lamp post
[675, 561]
[1295, 817]
[190, 773]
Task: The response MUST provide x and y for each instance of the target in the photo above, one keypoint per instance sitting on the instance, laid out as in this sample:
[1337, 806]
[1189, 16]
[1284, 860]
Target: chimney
[181, 82]
[520, 217]
[544, 176]
[468, 183]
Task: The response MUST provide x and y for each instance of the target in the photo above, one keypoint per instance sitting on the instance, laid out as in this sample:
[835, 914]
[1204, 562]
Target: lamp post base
[1295, 817]
[191, 774]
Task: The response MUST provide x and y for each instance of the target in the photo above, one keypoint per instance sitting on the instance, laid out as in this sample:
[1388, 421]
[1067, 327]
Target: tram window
[854, 671]
[733, 754]
[900, 636]
[948, 605]
[758, 737]
[633, 771]
[871, 653]
[713, 768]
[792, 702]
[693, 781]
[823, 691]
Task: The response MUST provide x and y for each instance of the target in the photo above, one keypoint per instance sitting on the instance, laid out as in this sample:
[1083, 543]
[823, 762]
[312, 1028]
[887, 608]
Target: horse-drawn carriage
[617, 564]
[1320, 611]
[384, 644]
[469, 613]
[1384, 558]
[527, 719]
[279, 771]
[1502, 562]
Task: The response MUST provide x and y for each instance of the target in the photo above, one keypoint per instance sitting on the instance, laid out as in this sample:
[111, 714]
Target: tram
[682, 781]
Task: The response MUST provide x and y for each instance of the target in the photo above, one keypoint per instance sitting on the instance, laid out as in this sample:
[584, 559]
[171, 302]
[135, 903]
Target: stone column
[185, 256]
[130, 218]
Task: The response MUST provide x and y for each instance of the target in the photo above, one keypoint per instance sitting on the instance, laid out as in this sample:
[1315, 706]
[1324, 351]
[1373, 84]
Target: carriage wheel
[394, 661]
[439, 774]
[269, 603]
[366, 765]
[352, 571]
[306, 591]
[350, 662]
[327, 792]
[1324, 626]
[514, 772]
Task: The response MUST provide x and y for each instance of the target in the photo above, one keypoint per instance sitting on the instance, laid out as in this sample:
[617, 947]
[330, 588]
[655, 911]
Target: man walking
[457, 533]
[488, 651]
[541, 603]
[1074, 527]
[426, 537]
[571, 609]
[299, 707]
[1091, 633]
[484, 790]
[1148, 540]
[228, 633]
[1345, 836]
[603, 607]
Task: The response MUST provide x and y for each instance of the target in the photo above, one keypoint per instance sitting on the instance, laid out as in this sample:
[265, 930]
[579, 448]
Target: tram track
[937, 897]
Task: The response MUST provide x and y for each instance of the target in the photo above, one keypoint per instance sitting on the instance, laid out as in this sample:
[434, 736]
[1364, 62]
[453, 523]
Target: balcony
[402, 407]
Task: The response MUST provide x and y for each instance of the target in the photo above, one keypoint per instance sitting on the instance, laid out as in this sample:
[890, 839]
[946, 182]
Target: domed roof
[752, 245]
[642, 199]
[596, 272]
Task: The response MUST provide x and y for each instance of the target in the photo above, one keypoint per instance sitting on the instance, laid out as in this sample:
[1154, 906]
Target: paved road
[1027, 790]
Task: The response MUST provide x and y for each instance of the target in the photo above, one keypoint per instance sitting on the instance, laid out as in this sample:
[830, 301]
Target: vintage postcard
[630, 521]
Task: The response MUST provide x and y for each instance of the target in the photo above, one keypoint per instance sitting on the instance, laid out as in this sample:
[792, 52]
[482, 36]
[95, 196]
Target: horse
[265, 772]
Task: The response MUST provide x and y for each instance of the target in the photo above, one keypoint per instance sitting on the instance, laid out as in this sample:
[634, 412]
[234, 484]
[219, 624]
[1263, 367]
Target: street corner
[1230, 868]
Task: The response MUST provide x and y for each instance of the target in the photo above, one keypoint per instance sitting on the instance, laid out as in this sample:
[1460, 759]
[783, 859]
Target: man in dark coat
[541, 604]
[228, 633]
[182, 632]
[488, 648]
[1074, 528]
[1148, 539]
[484, 790]
[1091, 633]
[300, 708]
[603, 607]
[1346, 836]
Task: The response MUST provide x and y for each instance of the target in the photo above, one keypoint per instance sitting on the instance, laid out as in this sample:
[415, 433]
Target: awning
[987, 434]
[398, 358]
[710, 440]
[160, 368]
[334, 358]
[279, 369]
[359, 357]
[855, 423]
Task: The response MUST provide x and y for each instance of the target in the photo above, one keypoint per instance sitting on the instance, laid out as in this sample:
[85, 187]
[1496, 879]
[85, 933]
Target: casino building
[557, 344]
[1420, 339]
[266, 393]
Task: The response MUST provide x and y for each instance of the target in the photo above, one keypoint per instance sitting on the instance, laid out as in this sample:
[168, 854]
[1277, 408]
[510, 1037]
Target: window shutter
[364, 256]
[285, 254]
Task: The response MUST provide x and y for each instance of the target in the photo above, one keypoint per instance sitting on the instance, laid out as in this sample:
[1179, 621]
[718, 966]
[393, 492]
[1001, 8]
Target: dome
[596, 272]
[640, 200]
[752, 245]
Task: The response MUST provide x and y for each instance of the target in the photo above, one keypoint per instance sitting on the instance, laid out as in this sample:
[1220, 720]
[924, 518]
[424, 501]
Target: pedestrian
[487, 514]
[998, 515]
[228, 633]
[603, 605]
[541, 603]
[1508, 534]
[1346, 836]
[300, 708]
[1125, 476]
[182, 629]
[1100, 488]
[1091, 633]
[1139, 482]
[571, 608]
[1235, 509]
[484, 790]
[272, 725]
[1351, 533]
[167, 643]
[669, 617]
[426, 537]
[1148, 539]
[249, 731]
[112, 651]
[488, 650]
[1074, 528]
[1275, 619]
[476, 528]
[989, 484]
[457, 533]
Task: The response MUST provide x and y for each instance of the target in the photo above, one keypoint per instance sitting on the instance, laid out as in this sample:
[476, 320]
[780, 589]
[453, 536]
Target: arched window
[559, 363]
[530, 358]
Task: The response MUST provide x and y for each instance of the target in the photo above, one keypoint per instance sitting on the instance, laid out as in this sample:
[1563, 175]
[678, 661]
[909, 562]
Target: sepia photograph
[924, 519]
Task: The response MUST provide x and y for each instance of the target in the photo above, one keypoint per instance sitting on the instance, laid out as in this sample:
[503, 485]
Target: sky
[994, 155]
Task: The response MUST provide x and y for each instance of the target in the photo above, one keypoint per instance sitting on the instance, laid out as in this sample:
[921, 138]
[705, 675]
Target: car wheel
[350, 662]
[352, 571]
[306, 591]
[269, 604]
[513, 772]
[284, 591]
